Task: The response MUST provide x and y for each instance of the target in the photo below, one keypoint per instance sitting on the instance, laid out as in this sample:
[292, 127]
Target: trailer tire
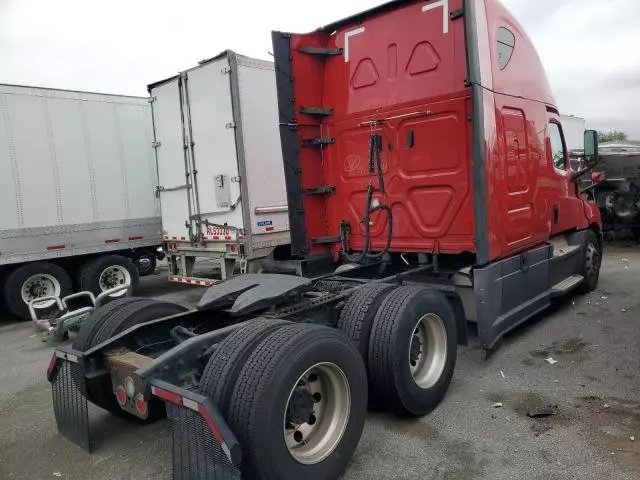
[89, 328]
[275, 389]
[219, 376]
[591, 262]
[145, 261]
[356, 318]
[405, 377]
[108, 271]
[31, 281]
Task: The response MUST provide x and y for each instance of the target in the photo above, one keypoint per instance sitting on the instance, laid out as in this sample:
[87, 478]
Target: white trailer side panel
[78, 174]
[267, 208]
[573, 129]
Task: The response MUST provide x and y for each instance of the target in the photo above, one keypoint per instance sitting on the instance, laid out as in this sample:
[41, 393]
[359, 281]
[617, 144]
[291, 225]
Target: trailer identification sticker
[265, 223]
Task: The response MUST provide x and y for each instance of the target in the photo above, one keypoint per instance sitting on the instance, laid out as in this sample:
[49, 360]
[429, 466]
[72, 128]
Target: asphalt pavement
[480, 431]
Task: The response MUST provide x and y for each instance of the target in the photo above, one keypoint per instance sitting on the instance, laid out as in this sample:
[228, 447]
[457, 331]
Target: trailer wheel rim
[112, 277]
[317, 413]
[428, 350]
[592, 260]
[38, 286]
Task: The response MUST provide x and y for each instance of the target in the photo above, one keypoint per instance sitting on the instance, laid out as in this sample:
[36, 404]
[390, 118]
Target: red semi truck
[428, 186]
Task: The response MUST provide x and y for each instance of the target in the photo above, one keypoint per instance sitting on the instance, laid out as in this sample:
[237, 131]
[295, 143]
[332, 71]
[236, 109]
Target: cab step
[566, 285]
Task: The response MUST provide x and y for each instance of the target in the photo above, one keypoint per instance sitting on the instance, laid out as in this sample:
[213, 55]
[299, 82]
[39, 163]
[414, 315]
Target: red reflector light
[597, 177]
[141, 405]
[212, 426]
[166, 395]
[52, 364]
[140, 238]
[232, 248]
[121, 395]
[113, 240]
[269, 229]
[55, 247]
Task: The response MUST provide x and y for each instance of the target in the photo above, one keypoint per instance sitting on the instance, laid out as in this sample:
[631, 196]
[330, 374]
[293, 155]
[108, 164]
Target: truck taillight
[232, 248]
[52, 364]
[141, 405]
[597, 177]
[121, 395]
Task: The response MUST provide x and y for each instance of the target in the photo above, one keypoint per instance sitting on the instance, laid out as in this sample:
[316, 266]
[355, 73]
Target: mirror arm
[581, 173]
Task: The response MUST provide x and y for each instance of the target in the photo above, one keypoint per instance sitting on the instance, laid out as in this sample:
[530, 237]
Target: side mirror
[590, 147]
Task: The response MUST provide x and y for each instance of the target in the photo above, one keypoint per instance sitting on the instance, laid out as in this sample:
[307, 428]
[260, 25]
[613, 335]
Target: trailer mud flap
[203, 446]
[68, 389]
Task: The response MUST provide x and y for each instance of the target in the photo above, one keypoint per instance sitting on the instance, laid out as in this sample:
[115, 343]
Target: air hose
[375, 161]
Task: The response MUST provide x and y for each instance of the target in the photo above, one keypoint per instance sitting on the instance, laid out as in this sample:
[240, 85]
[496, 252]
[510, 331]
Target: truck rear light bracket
[325, 240]
[316, 142]
[319, 111]
[320, 51]
[456, 14]
[320, 190]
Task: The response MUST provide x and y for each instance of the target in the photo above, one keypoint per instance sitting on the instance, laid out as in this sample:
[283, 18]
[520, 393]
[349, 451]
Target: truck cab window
[558, 156]
[506, 44]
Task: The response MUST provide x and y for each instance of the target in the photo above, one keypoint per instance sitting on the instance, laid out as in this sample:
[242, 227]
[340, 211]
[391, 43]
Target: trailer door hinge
[156, 144]
[235, 179]
[231, 125]
[225, 70]
[152, 99]
[456, 14]
[316, 142]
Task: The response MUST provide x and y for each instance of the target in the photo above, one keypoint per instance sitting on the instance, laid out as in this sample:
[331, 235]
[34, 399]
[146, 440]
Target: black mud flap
[68, 388]
[203, 446]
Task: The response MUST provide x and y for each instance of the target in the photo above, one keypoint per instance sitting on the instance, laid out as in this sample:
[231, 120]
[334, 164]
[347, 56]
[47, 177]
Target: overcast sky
[589, 47]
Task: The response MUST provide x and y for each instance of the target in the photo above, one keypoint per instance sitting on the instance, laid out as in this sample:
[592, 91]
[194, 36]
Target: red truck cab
[428, 128]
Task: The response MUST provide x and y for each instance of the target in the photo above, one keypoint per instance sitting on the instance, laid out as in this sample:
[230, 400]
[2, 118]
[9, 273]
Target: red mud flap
[203, 446]
[68, 389]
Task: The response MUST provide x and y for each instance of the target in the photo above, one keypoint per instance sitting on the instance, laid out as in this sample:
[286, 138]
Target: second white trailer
[221, 180]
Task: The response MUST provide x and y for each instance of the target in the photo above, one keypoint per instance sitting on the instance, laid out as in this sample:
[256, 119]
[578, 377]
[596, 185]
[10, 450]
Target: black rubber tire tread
[590, 283]
[84, 339]
[120, 319]
[134, 314]
[152, 257]
[390, 381]
[269, 363]
[13, 285]
[88, 276]
[356, 318]
[222, 370]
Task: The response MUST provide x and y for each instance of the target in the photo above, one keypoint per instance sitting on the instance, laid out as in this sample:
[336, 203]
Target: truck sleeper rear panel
[412, 81]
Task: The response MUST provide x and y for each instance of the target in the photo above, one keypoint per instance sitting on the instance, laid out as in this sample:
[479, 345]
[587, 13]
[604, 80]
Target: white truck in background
[221, 179]
[77, 203]
[573, 128]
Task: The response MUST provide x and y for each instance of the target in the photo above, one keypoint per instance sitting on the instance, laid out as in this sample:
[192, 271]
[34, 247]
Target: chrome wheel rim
[38, 286]
[428, 350]
[592, 260]
[144, 263]
[317, 413]
[112, 277]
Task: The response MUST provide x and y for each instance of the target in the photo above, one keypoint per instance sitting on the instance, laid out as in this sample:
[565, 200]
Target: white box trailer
[221, 179]
[573, 128]
[77, 201]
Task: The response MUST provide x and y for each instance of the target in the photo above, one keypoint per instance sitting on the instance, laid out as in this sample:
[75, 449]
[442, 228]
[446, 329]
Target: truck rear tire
[299, 405]
[145, 261]
[108, 271]
[219, 376]
[89, 328]
[356, 318]
[106, 322]
[35, 280]
[412, 351]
